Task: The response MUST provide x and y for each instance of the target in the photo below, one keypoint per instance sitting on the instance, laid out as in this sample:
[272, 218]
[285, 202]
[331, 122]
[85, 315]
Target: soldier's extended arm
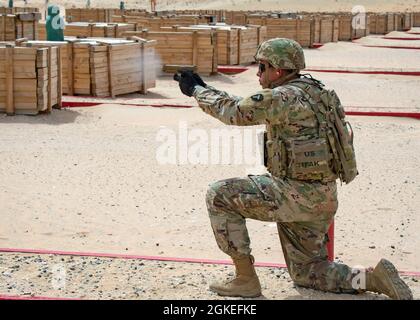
[259, 108]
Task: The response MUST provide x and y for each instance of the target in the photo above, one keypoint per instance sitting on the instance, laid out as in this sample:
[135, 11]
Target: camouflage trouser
[303, 212]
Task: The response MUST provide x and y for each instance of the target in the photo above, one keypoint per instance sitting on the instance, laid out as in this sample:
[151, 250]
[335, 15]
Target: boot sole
[229, 294]
[400, 289]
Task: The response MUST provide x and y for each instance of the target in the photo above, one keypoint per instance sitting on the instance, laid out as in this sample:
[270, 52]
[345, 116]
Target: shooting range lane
[111, 148]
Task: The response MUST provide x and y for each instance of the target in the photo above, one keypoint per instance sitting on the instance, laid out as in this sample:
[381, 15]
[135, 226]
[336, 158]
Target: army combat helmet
[282, 53]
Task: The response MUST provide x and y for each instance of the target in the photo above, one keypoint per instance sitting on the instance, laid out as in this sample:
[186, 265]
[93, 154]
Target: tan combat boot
[246, 283]
[385, 279]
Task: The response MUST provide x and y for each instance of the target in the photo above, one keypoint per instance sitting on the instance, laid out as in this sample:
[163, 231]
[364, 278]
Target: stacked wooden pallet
[86, 29]
[30, 79]
[99, 14]
[193, 48]
[416, 19]
[104, 67]
[155, 23]
[14, 10]
[353, 27]
[217, 14]
[236, 17]
[235, 44]
[325, 29]
[408, 21]
[382, 23]
[299, 29]
[19, 25]
[398, 21]
[89, 14]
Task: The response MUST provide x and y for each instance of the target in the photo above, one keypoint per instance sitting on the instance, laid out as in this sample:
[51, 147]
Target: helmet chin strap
[282, 80]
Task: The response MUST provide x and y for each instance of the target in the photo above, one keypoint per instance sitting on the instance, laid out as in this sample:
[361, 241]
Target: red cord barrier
[384, 114]
[81, 104]
[397, 38]
[231, 69]
[7, 297]
[401, 73]
[391, 47]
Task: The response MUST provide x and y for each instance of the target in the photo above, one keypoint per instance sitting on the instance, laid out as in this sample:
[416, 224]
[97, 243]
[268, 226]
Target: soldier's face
[267, 74]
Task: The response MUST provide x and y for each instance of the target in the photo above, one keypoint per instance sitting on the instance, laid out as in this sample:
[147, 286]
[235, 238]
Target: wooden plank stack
[99, 14]
[89, 14]
[30, 80]
[104, 67]
[19, 25]
[381, 23]
[236, 17]
[299, 29]
[416, 19]
[14, 10]
[155, 23]
[408, 21]
[86, 30]
[351, 27]
[325, 29]
[218, 15]
[193, 48]
[398, 21]
[235, 44]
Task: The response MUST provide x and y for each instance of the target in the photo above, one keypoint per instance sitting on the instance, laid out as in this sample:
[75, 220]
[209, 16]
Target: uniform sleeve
[260, 108]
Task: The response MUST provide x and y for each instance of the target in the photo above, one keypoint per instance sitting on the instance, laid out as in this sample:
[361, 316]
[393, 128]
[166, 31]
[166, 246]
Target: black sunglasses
[261, 67]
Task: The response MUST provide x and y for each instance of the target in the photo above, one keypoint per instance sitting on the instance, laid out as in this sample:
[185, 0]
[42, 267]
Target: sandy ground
[285, 5]
[87, 179]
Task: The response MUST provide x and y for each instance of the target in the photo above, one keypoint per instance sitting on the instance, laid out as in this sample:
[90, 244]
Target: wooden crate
[235, 44]
[236, 17]
[408, 21]
[299, 29]
[89, 14]
[352, 29]
[105, 67]
[325, 29]
[30, 80]
[154, 24]
[381, 23]
[19, 25]
[416, 19]
[14, 10]
[198, 48]
[86, 30]
[398, 21]
[212, 16]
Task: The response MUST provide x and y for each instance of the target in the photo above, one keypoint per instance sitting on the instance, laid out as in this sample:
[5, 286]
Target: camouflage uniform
[303, 210]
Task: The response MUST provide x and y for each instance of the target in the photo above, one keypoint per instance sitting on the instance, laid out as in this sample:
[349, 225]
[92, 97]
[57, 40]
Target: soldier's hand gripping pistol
[187, 81]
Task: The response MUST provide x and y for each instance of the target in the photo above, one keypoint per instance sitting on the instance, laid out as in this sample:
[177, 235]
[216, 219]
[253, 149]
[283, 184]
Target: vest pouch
[309, 159]
[275, 160]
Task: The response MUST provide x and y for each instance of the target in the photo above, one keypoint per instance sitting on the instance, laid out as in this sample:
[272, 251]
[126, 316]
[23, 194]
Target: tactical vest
[323, 153]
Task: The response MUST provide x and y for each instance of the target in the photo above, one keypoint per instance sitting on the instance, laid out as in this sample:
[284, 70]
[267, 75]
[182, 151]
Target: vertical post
[70, 69]
[59, 80]
[298, 30]
[110, 78]
[3, 23]
[215, 52]
[143, 88]
[195, 48]
[49, 52]
[330, 244]
[239, 45]
[10, 104]
[229, 49]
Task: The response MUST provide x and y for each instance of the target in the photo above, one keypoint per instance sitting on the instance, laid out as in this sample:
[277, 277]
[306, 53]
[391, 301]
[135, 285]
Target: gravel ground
[106, 278]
